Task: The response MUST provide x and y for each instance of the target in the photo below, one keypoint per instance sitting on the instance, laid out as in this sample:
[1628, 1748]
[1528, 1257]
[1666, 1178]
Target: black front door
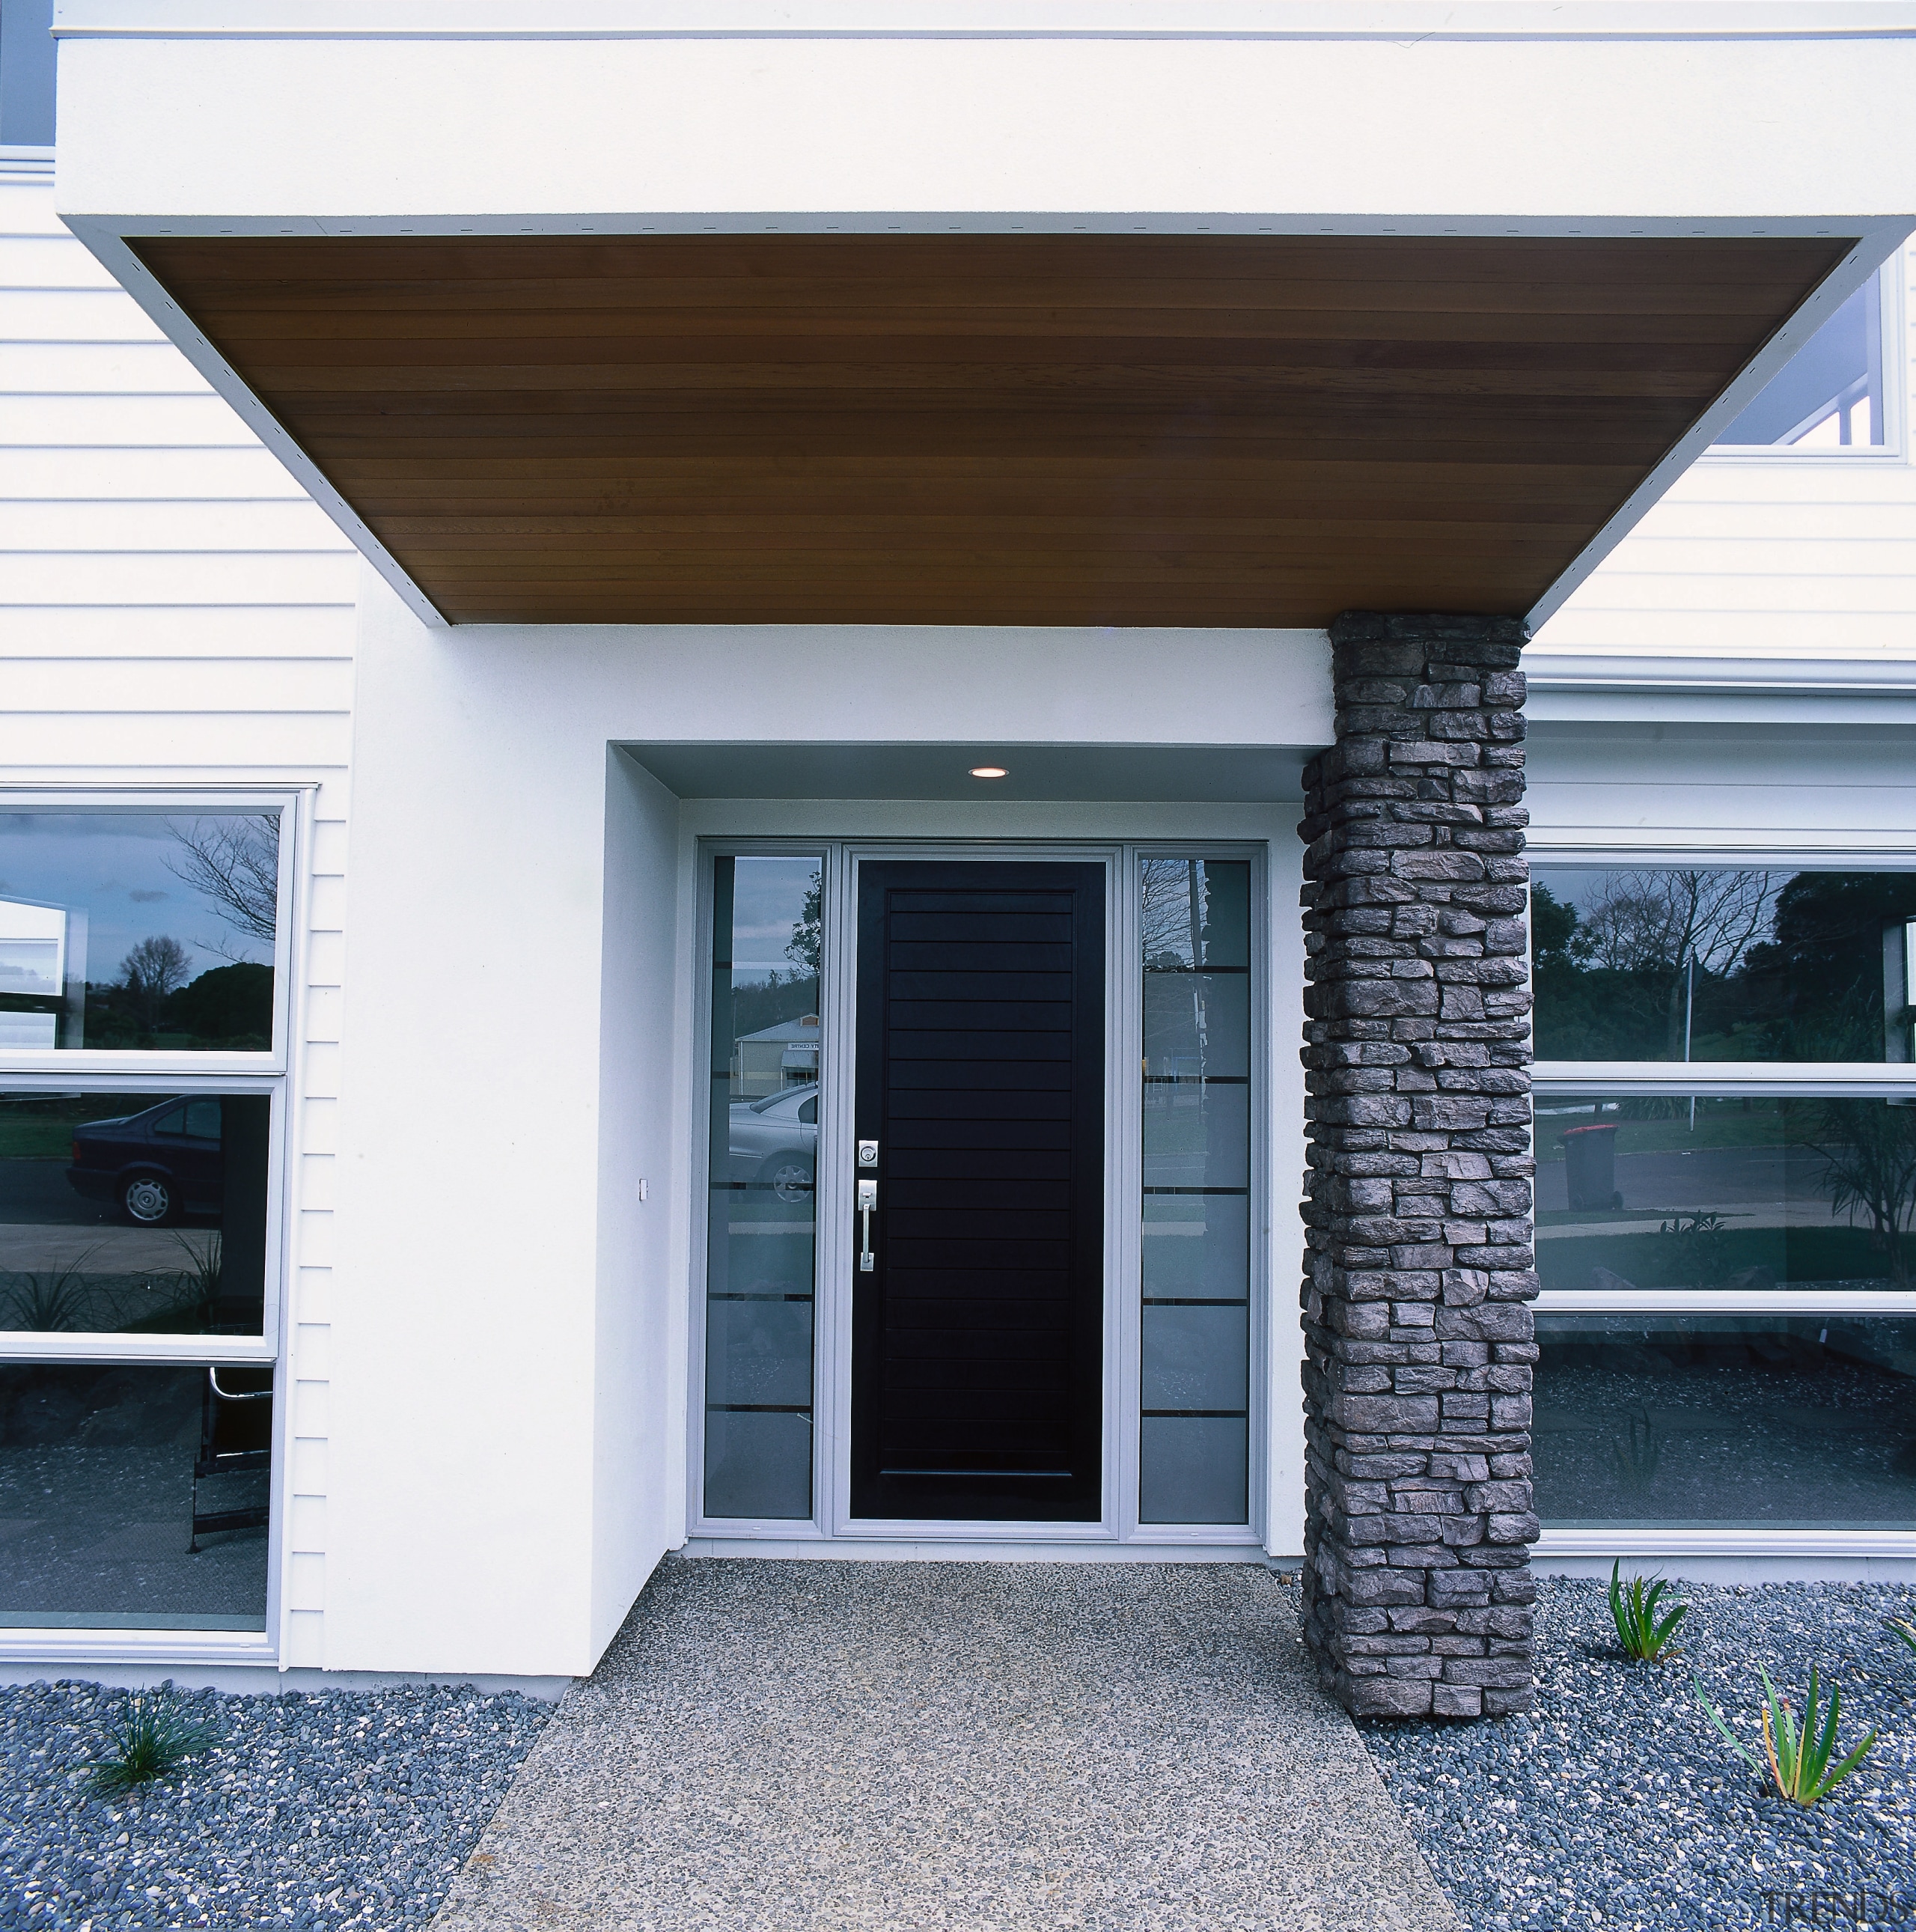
[978, 1303]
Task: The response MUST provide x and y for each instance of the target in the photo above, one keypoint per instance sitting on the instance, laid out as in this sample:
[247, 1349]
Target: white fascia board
[1484, 136]
[218, 126]
[1178, 20]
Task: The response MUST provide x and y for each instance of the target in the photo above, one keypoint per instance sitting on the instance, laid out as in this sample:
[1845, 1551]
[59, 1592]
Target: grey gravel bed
[1614, 1805]
[342, 1809]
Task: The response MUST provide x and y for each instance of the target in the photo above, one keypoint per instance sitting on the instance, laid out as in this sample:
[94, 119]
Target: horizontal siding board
[74, 316]
[171, 685]
[51, 261]
[251, 742]
[293, 525]
[98, 368]
[110, 632]
[126, 422]
[238, 473]
[212, 577]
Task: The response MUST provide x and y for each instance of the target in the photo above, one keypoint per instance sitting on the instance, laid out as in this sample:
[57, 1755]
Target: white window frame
[1710, 1080]
[108, 1071]
[1891, 281]
[832, 1522]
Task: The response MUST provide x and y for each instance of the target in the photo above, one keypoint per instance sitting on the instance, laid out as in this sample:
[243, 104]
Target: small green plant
[1696, 1246]
[47, 1304]
[1636, 1454]
[1799, 1761]
[1903, 1628]
[1634, 1608]
[157, 1735]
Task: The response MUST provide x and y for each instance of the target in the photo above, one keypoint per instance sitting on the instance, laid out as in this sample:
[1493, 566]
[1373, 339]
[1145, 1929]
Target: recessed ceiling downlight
[988, 772]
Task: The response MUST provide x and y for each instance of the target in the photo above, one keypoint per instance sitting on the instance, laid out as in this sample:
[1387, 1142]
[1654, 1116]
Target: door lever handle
[867, 1206]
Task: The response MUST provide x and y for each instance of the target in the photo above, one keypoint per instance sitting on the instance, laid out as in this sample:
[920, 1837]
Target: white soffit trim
[1178, 20]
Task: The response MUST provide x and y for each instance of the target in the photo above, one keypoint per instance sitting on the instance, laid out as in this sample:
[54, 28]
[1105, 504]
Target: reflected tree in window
[1619, 978]
[235, 863]
[1869, 1155]
[1717, 963]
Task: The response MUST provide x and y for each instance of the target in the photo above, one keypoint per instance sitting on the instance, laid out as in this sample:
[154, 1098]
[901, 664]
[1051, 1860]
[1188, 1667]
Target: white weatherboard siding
[174, 611]
[1766, 554]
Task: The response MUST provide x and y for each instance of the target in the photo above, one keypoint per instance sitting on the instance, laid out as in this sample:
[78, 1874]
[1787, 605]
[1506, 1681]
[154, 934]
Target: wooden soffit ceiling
[1082, 429]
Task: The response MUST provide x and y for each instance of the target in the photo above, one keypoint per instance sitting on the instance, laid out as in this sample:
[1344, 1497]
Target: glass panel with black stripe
[1196, 1320]
[763, 1222]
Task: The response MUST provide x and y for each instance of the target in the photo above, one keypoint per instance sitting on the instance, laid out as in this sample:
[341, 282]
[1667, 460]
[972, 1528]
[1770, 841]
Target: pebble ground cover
[1615, 1807]
[342, 1809]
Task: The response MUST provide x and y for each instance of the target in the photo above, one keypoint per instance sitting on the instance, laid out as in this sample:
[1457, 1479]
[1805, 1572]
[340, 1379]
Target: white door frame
[832, 1528]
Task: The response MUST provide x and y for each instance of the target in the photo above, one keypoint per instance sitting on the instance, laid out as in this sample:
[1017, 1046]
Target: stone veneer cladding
[1420, 1265]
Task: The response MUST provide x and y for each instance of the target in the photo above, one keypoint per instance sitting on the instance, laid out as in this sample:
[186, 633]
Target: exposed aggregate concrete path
[926, 1746]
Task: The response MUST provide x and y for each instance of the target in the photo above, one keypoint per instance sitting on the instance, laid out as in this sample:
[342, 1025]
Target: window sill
[1728, 1078]
[1886, 1302]
[136, 1646]
[1622, 1541]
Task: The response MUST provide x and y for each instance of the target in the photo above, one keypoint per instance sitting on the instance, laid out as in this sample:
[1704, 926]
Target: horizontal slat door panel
[977, 1340]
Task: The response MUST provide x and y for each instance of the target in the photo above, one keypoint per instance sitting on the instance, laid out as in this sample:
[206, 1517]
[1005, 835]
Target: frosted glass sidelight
[1195, 1321]
[1196, 1246]
[1192, 1469]
[762, 1225]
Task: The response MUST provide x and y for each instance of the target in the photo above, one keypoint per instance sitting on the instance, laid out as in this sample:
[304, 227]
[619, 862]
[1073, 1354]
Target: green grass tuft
[158, 1734]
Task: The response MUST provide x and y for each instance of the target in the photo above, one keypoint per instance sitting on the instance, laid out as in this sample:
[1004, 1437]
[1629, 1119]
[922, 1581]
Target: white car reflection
[773, 1142]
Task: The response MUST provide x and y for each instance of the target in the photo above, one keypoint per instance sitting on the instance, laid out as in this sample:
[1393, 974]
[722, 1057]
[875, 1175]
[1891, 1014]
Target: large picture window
[141, 1110]
[1725, 1108]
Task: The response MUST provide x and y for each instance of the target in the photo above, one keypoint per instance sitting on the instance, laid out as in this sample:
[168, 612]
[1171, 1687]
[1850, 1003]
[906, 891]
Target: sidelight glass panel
[134, 1498]
[1194, 916]
[145, 929]
[1717, 963]
[1726, 1422]
[1739, 1195]
[134, 1214]
[762, 1227]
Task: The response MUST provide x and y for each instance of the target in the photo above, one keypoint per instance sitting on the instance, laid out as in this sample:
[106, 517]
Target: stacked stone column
[1419, 1261]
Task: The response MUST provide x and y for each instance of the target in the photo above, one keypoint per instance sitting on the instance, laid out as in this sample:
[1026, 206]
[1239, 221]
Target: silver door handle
[867, 1206]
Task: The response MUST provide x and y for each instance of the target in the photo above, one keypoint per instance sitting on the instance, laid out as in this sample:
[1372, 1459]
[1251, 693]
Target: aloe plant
[1634, 1608]
[1799, 1761]
[1902, 1628]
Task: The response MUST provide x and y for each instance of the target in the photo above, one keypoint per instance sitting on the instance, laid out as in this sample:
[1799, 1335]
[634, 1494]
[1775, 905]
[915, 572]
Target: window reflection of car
[775, 1142]
[156, 1166]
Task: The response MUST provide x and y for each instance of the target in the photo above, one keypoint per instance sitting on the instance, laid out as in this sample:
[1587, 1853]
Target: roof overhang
[945, 320]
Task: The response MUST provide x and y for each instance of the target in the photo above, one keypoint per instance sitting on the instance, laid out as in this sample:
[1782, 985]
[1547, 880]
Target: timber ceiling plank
[984, 429]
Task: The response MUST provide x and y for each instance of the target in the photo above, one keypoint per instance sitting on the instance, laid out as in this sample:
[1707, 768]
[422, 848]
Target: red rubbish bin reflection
[1590, 1165]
